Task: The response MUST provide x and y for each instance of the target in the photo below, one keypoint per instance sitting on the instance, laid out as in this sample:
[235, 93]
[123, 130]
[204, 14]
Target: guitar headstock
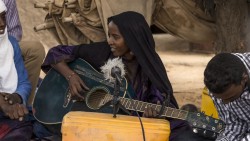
[205, 125]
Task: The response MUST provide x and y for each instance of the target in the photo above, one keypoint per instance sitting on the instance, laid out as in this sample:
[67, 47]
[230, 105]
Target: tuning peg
[204, 126]
[213, 128]
[207, 118]
[194, 124]
[195, 130]
[204, 132]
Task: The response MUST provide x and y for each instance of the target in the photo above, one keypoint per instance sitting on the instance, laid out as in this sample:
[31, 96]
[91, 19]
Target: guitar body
[53, 99]
[86, 126]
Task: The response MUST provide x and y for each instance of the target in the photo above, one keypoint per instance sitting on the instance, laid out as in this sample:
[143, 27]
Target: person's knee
[32, 49]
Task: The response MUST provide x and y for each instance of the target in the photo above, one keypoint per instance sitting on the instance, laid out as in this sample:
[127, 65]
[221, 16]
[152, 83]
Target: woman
[131, 39]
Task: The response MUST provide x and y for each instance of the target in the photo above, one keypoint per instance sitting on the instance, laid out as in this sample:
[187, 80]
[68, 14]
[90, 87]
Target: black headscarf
[139, 40]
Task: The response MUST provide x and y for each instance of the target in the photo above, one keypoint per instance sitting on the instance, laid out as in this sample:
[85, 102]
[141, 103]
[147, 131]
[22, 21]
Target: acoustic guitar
[53, 100]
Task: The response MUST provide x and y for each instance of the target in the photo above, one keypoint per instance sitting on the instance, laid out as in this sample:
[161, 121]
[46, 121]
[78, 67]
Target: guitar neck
[140, 106]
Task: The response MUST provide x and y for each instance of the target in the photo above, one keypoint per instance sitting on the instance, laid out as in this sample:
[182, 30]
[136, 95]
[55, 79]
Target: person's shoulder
[9, 2]
[97, 44]
[11, 38]
[13, 41]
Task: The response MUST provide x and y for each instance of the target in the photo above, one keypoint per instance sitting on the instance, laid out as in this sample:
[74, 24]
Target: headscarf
[8, 73]
[2, 6]
[139, 40]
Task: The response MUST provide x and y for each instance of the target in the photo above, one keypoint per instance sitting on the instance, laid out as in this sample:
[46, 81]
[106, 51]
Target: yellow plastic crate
[90, 126]
[207, 104]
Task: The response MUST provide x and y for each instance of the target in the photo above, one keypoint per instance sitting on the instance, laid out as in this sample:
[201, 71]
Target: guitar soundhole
[96, 98]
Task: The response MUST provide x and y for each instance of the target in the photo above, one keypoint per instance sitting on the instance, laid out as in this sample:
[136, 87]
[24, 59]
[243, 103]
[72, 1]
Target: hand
[12, 98]
[77, 86]
[149, 112]
[15, 111]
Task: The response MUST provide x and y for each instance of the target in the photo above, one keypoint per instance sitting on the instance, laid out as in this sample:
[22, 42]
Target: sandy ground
[184, 68]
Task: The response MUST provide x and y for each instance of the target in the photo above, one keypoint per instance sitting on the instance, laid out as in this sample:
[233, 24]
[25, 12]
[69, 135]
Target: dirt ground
[184, 68]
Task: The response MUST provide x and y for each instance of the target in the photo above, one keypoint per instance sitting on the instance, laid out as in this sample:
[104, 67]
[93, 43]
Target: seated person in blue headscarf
[14, 87]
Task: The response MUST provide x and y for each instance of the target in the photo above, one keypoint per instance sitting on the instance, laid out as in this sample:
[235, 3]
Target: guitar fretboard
[140, 106]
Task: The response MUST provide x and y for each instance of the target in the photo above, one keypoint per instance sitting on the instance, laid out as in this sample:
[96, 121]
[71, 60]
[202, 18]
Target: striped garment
[13, 21]
[236, 114]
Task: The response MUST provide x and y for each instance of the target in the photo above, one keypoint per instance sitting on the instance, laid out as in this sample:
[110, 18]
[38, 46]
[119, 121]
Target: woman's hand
[149, 112]
[77, 86]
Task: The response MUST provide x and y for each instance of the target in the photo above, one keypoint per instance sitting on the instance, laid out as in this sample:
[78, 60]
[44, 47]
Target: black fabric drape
[139, 40]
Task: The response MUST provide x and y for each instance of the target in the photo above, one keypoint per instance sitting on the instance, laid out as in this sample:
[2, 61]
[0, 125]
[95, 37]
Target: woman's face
[117, 42]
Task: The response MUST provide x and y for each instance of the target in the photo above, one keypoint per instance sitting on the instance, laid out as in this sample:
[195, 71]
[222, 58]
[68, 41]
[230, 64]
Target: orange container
[90, 126]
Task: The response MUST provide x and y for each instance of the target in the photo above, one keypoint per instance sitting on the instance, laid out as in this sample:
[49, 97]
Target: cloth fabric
[12, 19]
[14, 129]
[185, 19]
[33, 54]
[8, 72]
[236, 114]
[23, 86]
[89, 23]
[108, 8]
[2, 6]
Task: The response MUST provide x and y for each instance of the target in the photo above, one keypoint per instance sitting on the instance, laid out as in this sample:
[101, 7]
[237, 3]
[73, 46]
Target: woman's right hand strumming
[76, 85]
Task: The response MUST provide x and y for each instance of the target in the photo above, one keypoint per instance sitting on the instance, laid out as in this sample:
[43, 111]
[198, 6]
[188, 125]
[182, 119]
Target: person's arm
[58, 57]
[57, 54]
[23, 86]
[95, 54]
[235, 125]
[235, 131]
